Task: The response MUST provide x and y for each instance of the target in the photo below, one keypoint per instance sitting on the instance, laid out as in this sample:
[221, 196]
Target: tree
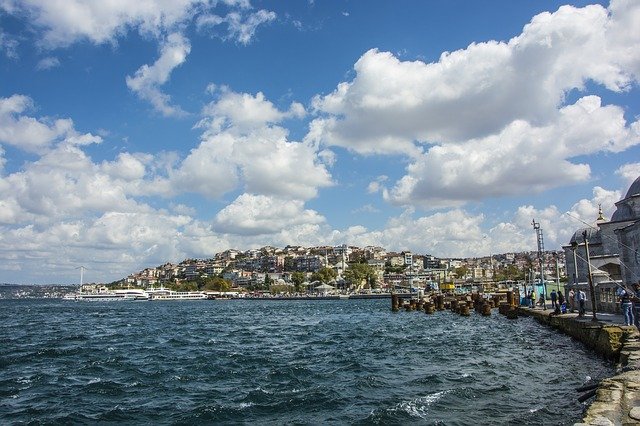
[461, 271]
[324, 275]
[216, 284]
[356, 273]
[297, 278]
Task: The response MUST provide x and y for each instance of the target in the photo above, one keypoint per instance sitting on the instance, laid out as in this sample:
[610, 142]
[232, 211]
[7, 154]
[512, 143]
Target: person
[572, 301]
[582, 300]
[533, 299]
[554, 298]
[542, 301]
[626, 305]
[636, 303]
[560, 305]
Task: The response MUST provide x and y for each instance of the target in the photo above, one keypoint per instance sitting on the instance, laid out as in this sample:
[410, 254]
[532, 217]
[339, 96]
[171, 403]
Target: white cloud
[520, 157]
[65, 22]
[47, 63]
[32, 134]
[629, 172]
[241, 26]
[242, 142]
[253, 214]
[147, 79]
[488, 120]
[8, 45]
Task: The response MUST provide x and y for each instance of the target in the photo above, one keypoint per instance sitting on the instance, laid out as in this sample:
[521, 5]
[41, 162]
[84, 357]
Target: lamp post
[589, 277]
[557, 273]
[574, 246]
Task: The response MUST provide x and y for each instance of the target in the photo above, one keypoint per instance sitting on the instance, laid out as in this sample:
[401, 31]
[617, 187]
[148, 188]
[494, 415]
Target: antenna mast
[539, 237]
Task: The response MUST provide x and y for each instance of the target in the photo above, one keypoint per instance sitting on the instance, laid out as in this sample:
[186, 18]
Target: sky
[138, 133]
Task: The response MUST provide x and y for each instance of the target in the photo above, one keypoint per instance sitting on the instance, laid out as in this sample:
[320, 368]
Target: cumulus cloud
[148, 78]
[36, 135]
[520, 157]
[253, 214]
[66, 22]
[488, 120]
[629, 172]
[242, 142]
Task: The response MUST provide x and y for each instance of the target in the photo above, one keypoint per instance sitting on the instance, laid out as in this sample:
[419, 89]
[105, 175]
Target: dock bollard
[429, 308]
[464, 310]
[440, 302]
[454, 305]
[394, 302]
[486, 309]
[510, 299]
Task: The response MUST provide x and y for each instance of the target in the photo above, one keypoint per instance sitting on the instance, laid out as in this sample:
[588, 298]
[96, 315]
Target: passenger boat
[163, 294]
[110, 295]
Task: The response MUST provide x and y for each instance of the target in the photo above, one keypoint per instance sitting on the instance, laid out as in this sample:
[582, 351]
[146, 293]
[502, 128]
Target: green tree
[324, 275]
[216, 284]
[297, 278]
[357, 273]
[461, 271]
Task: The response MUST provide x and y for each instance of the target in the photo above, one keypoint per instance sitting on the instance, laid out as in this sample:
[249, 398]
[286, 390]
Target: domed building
[613, 251]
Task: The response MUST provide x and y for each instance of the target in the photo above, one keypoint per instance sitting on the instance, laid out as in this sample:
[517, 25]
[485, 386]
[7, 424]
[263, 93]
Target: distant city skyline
[136, 134]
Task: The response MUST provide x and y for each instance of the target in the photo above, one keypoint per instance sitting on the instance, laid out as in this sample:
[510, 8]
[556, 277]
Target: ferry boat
[109, 295]
[163, 294]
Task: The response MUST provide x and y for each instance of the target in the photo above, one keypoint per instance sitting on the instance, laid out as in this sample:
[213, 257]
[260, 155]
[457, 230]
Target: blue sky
[135, 134]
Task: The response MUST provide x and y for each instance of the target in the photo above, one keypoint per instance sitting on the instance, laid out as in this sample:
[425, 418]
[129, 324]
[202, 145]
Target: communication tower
[540, 238]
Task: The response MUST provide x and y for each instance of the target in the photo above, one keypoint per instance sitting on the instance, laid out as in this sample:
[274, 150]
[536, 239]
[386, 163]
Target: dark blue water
[294, 362]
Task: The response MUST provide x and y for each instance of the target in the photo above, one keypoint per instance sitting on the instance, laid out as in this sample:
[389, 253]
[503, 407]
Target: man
[554, 297]
[582, 299]
[626, 305]
[636, 303]
[572, 300]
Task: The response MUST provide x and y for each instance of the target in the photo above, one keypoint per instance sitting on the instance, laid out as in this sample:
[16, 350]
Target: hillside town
[346, 268]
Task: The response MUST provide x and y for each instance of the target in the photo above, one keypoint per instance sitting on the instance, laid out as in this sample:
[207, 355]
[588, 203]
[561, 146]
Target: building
[612, 257]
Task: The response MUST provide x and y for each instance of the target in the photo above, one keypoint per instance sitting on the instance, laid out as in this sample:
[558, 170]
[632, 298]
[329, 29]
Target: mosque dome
[624, 211]
[634, 189]
[593, 235]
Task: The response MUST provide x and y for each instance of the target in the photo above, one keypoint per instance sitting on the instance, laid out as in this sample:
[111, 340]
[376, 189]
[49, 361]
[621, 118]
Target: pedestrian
[560, 299]
[636, 303]
[543, 302]
[572, 300]
[533, 299]
[554, 298]
[626, 305]
[582, 300]
[560, 306]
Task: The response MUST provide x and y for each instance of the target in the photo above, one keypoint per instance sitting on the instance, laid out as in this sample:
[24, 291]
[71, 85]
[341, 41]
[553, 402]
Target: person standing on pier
[582, 298]
[636, 304]
[626, 305]
[533, 299]
[554, 298]
[543, 302]
[572, 300]
[560, 306]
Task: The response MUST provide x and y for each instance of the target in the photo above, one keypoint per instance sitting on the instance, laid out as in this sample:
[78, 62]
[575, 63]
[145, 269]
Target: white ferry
[110, 295]
[163, 294]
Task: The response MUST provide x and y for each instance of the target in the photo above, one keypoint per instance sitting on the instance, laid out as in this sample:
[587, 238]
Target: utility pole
[536, 226]
[591, 289]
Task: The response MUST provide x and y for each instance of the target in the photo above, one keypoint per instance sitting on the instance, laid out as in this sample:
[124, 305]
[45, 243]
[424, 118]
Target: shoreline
[617, 399]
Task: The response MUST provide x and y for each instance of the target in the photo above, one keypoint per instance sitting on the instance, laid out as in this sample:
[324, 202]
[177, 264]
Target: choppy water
[294, 362]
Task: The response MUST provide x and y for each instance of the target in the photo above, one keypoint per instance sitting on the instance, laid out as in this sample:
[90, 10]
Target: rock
[635, 413]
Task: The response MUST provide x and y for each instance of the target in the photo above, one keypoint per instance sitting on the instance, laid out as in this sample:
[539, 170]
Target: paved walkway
[602, 317]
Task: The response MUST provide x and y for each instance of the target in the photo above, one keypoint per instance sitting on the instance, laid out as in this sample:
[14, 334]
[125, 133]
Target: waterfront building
[613, 252]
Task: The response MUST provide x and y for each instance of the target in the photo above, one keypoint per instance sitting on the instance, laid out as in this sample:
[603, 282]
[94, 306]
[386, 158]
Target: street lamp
[589, 277]
[574, 246]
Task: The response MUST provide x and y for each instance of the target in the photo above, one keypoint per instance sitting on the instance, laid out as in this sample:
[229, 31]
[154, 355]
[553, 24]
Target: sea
[351, 362]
